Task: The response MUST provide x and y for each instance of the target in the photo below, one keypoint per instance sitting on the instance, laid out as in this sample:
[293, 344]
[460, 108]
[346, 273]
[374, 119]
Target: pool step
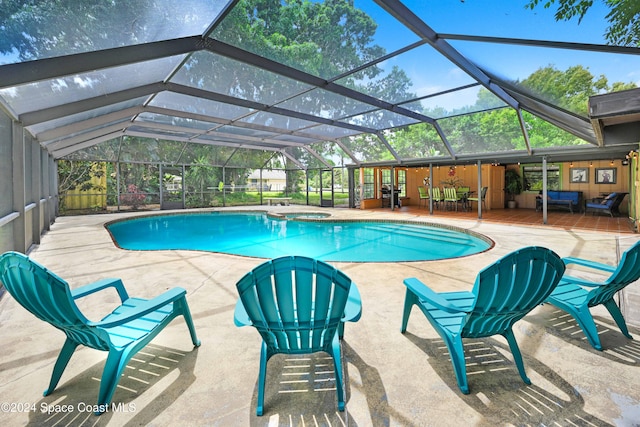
[440, 235]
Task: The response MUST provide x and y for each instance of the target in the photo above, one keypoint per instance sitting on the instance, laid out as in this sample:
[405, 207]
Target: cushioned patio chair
[423, 195]
[503, 293]
[298, 306]
[451, 197]
[576, 296]
[463, 191]
[483, 194]
[436, 196]
[608, 205]
[124, 332]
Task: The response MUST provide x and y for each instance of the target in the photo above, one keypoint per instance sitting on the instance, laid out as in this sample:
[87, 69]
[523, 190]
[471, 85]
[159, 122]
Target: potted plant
[512, 185]
[452, 180]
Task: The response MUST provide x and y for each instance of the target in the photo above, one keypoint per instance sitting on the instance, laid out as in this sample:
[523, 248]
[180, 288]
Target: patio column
[430, 188]
[36, 190]
[393, 191]
[260, 184]
[19, 187]
[224, 185]
[479, 193]
[544, 190]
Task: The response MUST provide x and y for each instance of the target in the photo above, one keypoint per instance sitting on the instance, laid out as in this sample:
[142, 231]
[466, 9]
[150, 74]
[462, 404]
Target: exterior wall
[27, 193]
[590, 189]
[493, 178]
[468, 177]
[275, 180]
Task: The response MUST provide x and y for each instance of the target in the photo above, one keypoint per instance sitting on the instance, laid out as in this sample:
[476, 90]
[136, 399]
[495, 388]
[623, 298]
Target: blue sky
[499, 18]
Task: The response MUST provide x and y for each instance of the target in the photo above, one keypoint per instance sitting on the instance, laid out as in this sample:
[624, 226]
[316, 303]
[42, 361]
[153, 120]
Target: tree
[570, 89]
[202, 175]
[416, 141]
[623, 17]
[324, 38]
[44, 28]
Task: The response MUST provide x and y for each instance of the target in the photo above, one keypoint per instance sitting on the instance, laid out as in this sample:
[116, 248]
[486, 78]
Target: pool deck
[392, 379]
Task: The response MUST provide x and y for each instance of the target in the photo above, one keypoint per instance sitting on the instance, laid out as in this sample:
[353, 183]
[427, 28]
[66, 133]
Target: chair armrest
[588, 263]
[142, 309]
[240, 316]
[425, 293]
[353, 308]
[99, 285]
[582, 282]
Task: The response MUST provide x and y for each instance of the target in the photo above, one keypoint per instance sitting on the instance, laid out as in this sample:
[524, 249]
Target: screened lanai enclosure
[129, 104]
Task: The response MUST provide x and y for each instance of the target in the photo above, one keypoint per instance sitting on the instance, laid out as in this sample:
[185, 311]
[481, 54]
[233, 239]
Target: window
[368, 184]
[386, 177]
[532, 177]
[402, 182]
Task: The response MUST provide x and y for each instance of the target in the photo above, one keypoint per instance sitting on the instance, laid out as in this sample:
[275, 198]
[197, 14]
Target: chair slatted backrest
[511, 287]
[423, 192]
[295, 303]
[435, 194]
[450, 193]
[628, 271]
[483, 192]
[48, 297]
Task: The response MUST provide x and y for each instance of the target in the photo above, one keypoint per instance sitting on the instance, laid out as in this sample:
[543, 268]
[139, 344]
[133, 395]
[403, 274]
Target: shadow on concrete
[73, 401]
[497, 391]
[616, 347]
[300, 391]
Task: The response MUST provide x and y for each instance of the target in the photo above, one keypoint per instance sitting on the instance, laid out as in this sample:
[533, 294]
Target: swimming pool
[257, 234]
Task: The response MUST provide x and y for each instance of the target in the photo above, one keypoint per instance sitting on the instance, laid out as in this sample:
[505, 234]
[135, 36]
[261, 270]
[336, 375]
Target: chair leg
[585, 320]
[409, 300]
[113, 368]
[517, 356]
[261, 379]
[456, 351]
[618, 317]
[184, 307]
[61, 363]
[337, 368]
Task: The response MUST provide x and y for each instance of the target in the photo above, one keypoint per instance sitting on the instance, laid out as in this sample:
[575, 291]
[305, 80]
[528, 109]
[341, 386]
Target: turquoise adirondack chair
[503, 293]
[123, 333]
[576, 296]
[299, 306]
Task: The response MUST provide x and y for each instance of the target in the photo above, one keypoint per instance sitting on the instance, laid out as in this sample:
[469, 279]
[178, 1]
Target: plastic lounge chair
[423, 195]
[483, 194]
[503, 293]
[576, 296]
[299, 306]
[122, 333]
[608, 205]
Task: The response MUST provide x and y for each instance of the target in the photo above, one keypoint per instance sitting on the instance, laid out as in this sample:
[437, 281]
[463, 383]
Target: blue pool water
[264, 236]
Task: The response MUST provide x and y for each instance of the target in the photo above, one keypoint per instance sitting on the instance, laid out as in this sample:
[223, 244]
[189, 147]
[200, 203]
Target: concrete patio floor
[392, 379]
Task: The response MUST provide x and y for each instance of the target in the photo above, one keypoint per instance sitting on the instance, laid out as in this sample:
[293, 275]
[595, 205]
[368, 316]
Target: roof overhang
[616, 117]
